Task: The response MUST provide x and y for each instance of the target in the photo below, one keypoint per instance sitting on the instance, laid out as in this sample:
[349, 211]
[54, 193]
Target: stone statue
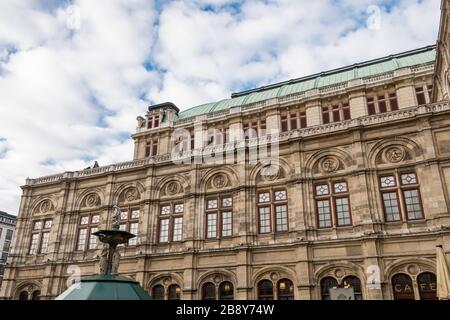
[141, 121]
[116, 218]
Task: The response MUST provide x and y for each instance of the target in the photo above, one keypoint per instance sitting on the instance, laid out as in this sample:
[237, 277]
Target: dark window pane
[355, 283]
[226, 291]
[285, 289]
[208, 291]
[427, 286]
[265, 290]
[402, 287]
[174, 292]
[325, 285]
[158, 292]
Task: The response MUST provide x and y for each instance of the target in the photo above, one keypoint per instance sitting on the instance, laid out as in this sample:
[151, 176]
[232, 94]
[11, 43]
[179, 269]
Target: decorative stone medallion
[330, 165]
[270, 173]
[219, 181]
[91, 200]
[45, 206]
[131, 194]
[172, 188]
[395, 154]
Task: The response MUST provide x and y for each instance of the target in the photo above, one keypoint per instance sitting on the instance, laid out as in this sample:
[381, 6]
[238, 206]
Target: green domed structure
[105, 287]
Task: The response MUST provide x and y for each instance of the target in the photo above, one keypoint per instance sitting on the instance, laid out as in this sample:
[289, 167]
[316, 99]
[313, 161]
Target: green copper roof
[105, 287]
[356, 71]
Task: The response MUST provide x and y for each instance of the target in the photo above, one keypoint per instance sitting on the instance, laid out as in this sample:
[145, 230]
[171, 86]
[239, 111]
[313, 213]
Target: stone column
[273, 121]
[313, 117]
[406, 94]
[358, 105]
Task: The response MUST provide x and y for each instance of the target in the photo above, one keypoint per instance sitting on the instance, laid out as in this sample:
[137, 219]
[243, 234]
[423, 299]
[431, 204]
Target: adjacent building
[354, 192]
[7, 226]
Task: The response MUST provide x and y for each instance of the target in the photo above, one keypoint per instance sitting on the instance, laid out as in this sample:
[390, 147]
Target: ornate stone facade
[361, 196]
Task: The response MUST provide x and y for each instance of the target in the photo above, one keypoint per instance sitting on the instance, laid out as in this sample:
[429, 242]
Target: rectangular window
[134, 230]
[262, 127]
[393, 101]
[149, 122]
[81, 239]
[284, 124]
[39, 237]
[227, 218]
[346, 111]
[302, 120]
[391, 208]
[420, 94]
[9, 234]
[93, 239]
[325, 115]
[382, 107]
[211, 227]
[156, 121]
[163, 230]
[129, 221]
[177, 229]
[336, 193]
[6, 246]
[336, 116]
[324, 213]
[293, 121]
[44, 242]
[412, 204]
[408, 190]
[272, 202]
[264, 220]
[343, 212]
[371, 106]
[281, 218]
[219, 209]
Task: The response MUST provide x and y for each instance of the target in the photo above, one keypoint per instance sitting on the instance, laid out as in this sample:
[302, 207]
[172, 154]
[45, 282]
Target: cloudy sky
[75, 74]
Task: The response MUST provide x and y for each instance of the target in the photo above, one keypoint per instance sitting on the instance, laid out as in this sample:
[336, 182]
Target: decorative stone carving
[219, 181]
[45, 206]
[270, 173]
[140, 121]
[92, 200]
[395, 154]
[413, 269]
[173, 188]
[330, 164]
[131, 194]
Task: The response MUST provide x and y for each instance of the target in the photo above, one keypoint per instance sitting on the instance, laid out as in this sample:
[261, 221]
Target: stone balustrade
[281, 137]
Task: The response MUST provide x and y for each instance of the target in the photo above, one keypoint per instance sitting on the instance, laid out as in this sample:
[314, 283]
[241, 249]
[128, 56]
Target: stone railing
[281, 137]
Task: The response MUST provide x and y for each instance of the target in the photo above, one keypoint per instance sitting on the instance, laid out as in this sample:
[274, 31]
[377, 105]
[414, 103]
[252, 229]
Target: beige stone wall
[305, 254]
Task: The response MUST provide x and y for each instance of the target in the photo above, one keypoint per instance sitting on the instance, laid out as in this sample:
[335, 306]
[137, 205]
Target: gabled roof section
[360, 70]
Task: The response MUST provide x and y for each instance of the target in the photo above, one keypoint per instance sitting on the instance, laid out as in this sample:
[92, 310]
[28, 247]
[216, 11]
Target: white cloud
[67, 95]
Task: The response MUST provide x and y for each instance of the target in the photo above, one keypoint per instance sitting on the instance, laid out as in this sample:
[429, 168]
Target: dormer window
[153, 121]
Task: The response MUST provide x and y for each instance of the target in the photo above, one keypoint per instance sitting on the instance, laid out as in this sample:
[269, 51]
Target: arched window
[325, 285]
[36, 295]
[158, 292]
[355, 283]
[402, 287]
[226, 291]
[23, 295]
[285, 289]
[174, 292]
[265, 290]
[208, 291]
[427, 286]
